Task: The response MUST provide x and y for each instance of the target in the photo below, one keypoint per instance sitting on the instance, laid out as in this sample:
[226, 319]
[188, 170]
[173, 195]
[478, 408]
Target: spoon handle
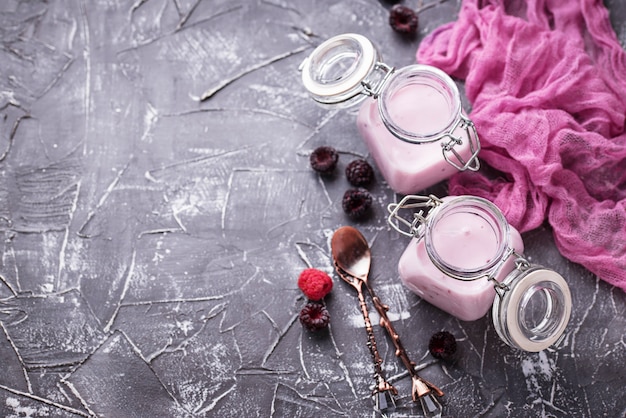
[421, 386]
[382, 385]
[381, 382]
[371, 339]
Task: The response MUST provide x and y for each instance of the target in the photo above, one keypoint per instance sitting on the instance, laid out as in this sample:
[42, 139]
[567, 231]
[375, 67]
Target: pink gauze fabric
[547, 84]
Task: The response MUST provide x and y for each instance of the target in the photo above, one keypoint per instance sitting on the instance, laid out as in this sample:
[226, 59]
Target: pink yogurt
[468, 242]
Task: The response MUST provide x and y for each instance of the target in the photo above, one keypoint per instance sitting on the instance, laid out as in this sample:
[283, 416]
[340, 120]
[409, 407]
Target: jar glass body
[421, 104]
[464, 257]
[473, 246]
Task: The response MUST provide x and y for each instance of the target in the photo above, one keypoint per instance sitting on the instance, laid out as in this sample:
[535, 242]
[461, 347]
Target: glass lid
[533, 313]
[333, 72]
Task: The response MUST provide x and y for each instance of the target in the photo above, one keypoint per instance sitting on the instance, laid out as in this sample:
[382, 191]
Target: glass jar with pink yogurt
[411, 119]
[465, 258]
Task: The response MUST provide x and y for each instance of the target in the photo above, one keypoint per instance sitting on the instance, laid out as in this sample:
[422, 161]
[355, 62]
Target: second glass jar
[465, 258]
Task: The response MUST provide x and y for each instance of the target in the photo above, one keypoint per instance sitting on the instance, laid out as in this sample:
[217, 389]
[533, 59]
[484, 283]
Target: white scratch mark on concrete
[129, 274]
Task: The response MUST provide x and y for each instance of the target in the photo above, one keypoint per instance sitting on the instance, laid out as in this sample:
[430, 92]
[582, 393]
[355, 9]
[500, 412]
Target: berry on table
[359, 173]
[356, 203]
[403, 19]
[314, 316]
[442, 345]
[314, 283]
[324, 159]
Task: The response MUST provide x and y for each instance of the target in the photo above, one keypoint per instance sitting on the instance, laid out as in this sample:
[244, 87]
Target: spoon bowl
[351, 252]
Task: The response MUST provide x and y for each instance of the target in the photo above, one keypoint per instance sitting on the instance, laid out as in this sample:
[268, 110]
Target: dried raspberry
[314, 283]
[314, 316]
[442, 345]
[356, 203]
[359, 173]
[324, 159]
[403, 19]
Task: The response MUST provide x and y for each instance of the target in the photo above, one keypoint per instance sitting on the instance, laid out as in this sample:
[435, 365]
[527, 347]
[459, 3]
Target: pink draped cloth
[547, 84]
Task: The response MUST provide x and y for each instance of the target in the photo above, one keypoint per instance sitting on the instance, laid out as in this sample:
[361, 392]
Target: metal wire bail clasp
[450, 153]
[411, 228]
[374, 87]
[521, 265]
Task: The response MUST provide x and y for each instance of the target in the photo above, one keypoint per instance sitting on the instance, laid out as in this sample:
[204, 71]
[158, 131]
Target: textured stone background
[152, 241]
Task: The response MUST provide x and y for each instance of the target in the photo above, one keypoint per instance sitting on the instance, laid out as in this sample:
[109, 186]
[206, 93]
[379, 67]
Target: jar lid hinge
[375, 90]
[521, 264]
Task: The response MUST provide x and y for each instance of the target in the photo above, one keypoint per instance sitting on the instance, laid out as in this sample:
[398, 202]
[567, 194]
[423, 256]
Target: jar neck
[420, 103]
[467, 238]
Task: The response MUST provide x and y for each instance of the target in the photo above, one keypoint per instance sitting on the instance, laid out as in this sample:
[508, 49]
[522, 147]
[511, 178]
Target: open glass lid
[532, 308]
[334, 71]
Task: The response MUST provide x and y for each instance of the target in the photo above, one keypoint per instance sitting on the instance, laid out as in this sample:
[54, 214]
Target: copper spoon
[384, 392]
[352, 254]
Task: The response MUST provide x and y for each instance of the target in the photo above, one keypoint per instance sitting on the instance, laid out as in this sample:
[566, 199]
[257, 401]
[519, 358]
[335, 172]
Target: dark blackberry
[314, 316]
[356, 203]
[324, 159]
[359, 173]
[442, 345]
[403, 19]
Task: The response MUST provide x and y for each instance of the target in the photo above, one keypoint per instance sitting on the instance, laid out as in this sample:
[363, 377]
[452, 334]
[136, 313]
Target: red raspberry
[314, 283]
[359, 173]
[324, 159]
[356, 203]
[403, 19]
[442, 345]
[314, 316]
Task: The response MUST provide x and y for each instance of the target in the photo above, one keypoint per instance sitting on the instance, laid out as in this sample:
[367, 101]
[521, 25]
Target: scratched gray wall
[152, 241]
